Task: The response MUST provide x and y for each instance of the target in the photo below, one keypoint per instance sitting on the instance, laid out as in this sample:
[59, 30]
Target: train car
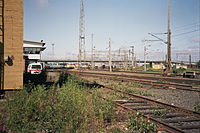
[70, 66]
[35, 68]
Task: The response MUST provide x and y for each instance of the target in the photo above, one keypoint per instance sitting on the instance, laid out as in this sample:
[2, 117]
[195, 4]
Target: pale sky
[126, 22]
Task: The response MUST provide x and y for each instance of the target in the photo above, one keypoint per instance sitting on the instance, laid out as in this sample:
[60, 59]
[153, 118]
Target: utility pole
[199, 33]
[145, 66]
[168, 42]
[133, 58]
[190, 60]
[145, 58]
[53, 51]
[110, 58]
[168, 38]
[125, 59]
[81, 33]
[92, 63]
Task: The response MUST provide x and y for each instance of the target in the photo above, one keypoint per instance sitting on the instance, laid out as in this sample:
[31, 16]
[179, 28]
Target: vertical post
[53, 51]
[125, 60]
[133, 59]
[92, 56]
[110, 58]
[120, 58]
[129, 56]
[81, 34]
[190, 61]
[199, 33]
[145, 66]
[168, 38]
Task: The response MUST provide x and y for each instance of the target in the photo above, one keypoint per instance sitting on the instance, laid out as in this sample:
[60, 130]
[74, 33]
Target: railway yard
[145, 79]
[143, 102]
[183, 95]
[171, 104]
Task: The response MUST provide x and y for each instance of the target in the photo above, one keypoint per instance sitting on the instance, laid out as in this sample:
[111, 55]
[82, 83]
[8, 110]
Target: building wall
[13, 44]
[158, 66]
[181, 66]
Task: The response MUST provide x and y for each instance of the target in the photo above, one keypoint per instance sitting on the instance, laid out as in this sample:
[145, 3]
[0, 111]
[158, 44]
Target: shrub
[53, 110]
[103, 109]
[197, 107]
[139, 124]
[178, 71]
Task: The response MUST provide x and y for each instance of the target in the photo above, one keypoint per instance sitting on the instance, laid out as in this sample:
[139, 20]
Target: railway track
[155, 75]
[171, 118]
[148, 82]
[147, 73]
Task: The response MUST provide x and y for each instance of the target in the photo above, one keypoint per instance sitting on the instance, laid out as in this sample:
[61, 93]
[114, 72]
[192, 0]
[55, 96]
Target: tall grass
[68, 108]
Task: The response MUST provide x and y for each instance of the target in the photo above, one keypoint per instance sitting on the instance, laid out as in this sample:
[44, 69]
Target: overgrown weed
[64, 107]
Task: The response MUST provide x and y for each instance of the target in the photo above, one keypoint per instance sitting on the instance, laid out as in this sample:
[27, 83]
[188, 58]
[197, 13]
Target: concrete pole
[125, 60]
[168, 39]
[190, 60]
[110, 57]
[133, 58]
[92, 63]
[53, 50]
[199, 33]
[145, 66]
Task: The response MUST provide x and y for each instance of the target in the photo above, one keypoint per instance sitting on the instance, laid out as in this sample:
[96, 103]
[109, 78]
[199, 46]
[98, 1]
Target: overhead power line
[185, 33]
[187, 25]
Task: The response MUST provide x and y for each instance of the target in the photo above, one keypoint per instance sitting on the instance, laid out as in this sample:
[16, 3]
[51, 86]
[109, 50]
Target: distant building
[158, 66]
[32, 50]
[179, 66]
[192, 66]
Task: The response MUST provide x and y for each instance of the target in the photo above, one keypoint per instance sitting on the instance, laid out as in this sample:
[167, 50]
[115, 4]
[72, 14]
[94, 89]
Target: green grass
[160, 113]
[143, 93]
[161, 81]
[197, 107]
[138, 123]
[68, 108]
[134, 84]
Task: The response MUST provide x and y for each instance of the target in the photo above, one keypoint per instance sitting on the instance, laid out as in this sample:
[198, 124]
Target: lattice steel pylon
[81, 54]
[1, 44]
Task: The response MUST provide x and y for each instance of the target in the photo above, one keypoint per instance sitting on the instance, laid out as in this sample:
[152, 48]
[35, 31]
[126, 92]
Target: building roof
[33, 44]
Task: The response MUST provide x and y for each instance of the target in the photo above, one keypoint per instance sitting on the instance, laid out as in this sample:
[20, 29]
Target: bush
[178, 71]
[197, 107]
[55, 110]
[103, 109]
[139, 124]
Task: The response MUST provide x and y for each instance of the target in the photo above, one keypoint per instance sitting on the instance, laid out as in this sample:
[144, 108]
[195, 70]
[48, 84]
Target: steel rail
[160, 104]
[153, 83]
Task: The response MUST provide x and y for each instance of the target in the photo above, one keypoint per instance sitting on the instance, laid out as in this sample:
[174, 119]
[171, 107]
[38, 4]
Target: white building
[32, 50]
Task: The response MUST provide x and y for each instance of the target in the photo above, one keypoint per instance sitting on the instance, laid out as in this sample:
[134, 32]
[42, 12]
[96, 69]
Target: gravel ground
[195, 82]
[181, 98]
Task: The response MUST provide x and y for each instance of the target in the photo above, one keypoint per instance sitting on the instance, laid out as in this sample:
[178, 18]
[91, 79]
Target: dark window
[36, 66]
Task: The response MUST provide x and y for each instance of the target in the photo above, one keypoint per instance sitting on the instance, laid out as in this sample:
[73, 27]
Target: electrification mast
[168, 38]
[81, 55]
